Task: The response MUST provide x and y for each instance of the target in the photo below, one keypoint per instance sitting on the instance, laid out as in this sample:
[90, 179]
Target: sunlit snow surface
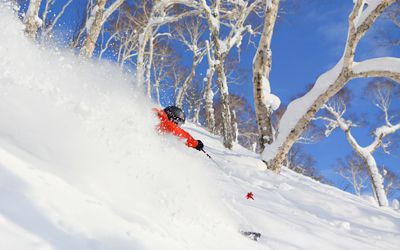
[82, 168]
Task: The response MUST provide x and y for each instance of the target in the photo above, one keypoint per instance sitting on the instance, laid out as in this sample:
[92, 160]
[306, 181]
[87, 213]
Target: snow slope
[82, 168]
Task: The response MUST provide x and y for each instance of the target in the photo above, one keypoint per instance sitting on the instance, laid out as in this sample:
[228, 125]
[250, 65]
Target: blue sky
[308, 40]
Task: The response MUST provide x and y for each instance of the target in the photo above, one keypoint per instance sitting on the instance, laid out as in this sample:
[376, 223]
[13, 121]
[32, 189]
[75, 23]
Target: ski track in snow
[82, 168]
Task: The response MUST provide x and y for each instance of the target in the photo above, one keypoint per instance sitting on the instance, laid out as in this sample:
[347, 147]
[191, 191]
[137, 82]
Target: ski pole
[207, 154]
[210, 158]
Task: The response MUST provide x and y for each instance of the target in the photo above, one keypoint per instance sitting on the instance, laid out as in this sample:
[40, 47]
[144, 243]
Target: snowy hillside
[82, 168]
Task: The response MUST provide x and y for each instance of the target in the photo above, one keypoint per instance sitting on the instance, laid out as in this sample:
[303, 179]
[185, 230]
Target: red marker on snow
[250, 196]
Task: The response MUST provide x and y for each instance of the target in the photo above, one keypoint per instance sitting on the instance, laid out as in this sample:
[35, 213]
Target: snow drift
[81, 167]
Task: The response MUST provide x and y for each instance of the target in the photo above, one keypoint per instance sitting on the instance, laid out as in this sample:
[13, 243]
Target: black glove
[200, 145]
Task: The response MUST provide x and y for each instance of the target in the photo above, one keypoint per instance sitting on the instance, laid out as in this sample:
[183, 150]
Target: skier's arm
[190, 141]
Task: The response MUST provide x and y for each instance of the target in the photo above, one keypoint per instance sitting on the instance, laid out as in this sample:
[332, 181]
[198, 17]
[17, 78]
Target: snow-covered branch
[378, 67]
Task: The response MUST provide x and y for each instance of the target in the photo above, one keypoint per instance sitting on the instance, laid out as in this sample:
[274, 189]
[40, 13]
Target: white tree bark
[261, 70]
[149, 66]
[208, 92]
[32, 20]
[296, 117]
[99, 16]
[235, 127]
[196, 115]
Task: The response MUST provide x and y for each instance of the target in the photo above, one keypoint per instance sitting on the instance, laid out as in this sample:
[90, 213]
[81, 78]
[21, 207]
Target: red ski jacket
[167, 126]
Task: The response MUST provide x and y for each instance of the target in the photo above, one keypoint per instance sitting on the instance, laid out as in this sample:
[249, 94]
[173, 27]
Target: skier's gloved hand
[200, 145]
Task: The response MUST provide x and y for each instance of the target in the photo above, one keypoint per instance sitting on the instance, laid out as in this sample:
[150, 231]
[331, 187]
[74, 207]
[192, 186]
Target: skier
[170, 120]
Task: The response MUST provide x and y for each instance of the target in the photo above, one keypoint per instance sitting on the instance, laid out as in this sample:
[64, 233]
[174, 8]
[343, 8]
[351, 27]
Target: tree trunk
[261, 70]
[32, 21]
[148, 67]
[227, 132]
[220, 56]
[143, 39]
[157, 90]
[235, 127]
[208, 93]
[372, 169]
[196, 115]
[94, 30]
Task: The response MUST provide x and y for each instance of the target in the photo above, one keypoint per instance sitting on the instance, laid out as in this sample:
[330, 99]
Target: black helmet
[175, 114]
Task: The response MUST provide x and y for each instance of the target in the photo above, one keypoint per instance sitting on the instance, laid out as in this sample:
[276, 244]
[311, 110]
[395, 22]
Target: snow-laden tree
[231, 15]
[265, 102]
[300, 111]
[98, 16]
[32, 20]
[336, 110]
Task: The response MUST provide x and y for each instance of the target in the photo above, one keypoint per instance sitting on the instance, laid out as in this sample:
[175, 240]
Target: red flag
[250, 196]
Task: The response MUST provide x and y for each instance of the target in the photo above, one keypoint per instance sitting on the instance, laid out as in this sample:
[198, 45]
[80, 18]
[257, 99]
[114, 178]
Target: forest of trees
[145, 37]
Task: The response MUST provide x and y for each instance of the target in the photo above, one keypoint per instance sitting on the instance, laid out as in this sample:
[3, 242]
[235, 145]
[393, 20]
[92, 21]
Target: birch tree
[300, 112]
[194, 100]
[189, 33]
[265, 102]
[124, 32]
[99, 15]
[32, 20]
[336, 120]
[233, 15]
[352, 169]
[160, 13]
[164, 61]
